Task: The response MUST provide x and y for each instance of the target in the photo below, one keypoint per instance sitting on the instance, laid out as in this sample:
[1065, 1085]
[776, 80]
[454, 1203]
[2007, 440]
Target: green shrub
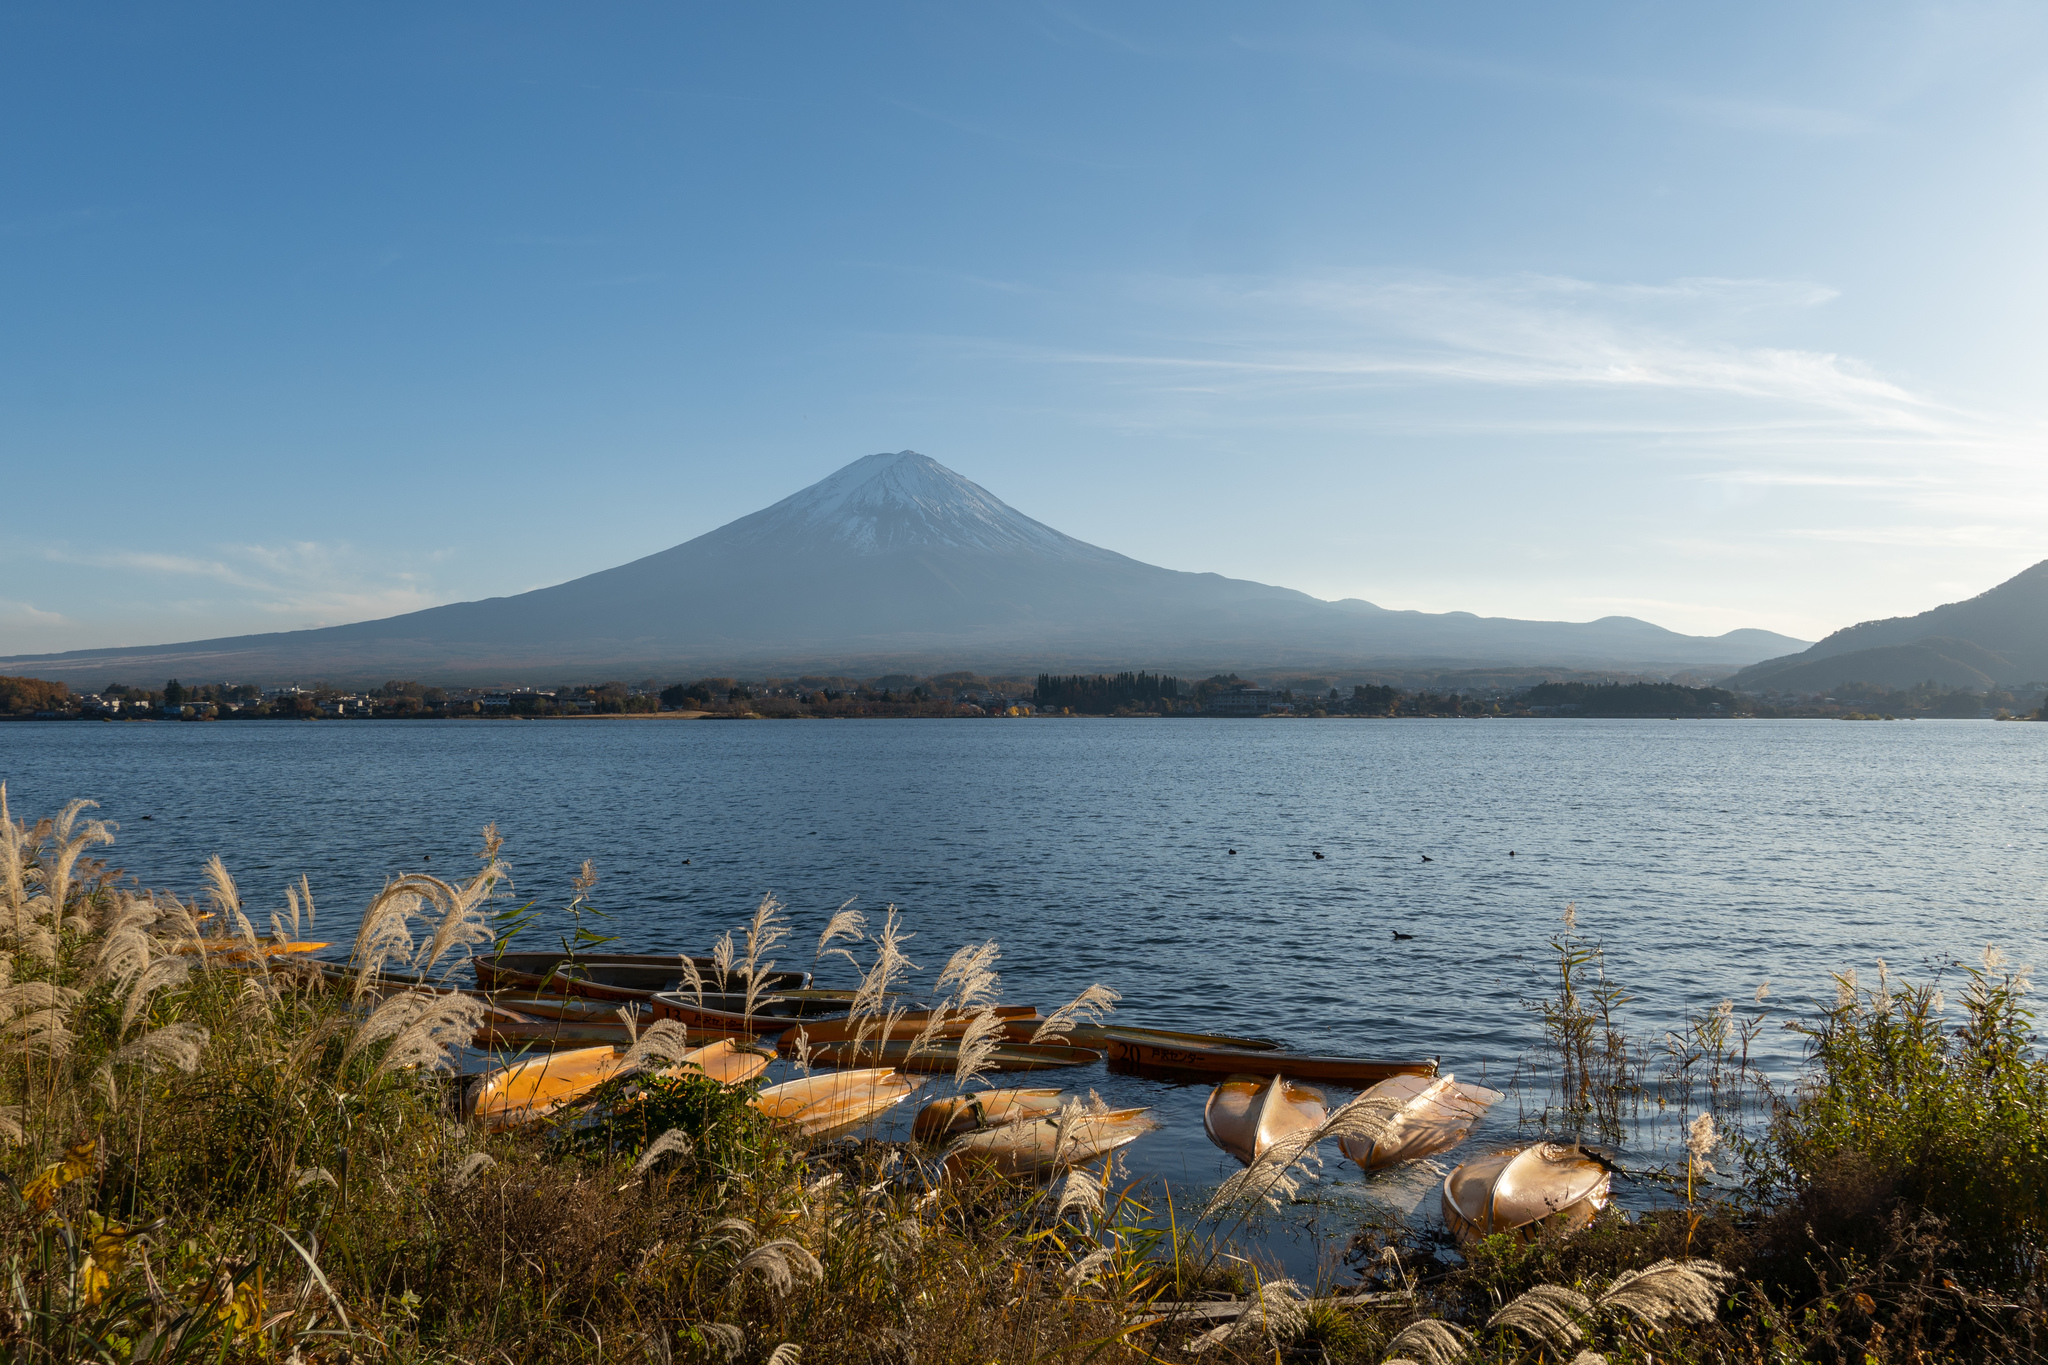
[1951, 1121]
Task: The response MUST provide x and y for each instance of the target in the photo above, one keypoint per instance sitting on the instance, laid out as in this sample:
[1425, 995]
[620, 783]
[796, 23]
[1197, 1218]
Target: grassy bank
[208, 1158]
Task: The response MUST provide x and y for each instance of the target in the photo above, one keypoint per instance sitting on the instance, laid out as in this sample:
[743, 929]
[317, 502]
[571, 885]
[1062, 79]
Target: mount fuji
[896, 561]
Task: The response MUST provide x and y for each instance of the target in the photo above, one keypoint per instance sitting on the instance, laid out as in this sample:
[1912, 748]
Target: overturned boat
[1435, 1116]
[1527, 1191]
[1247, 1114]
[1035, 1149]
[989, 1109]
[539, 1086]
[829, 1105]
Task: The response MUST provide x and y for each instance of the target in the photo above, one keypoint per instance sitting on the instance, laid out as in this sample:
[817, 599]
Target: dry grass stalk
[730, 1339]
[845, 923]
[975, 986]
[782, 1263]
[178, 1045]
[663, 1044]
[765, 931]
[385, 934]
[1433, 1342]
[722, 960]
[1086, 1008]
[1272, 1310]
[1081, 1191]
[1087, 1267]
[126, 945]
[422, 1027]
[1686, 1290]
[788, 1353]
[978, 1043]
[675, 1140]
[801, 1052]
[971, 972]
[1549, 1313]
[890, 966]
[473, 1165]
[694, 979]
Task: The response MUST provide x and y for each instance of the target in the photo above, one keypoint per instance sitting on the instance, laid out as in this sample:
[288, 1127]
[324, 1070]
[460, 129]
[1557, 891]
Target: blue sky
[1716, 315]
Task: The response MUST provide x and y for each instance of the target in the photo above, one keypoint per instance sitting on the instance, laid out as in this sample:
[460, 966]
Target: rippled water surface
[1707, 856]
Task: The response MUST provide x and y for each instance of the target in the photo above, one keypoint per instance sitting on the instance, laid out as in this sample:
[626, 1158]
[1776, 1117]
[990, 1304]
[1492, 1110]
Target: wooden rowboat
[534, 1088]
[502, 1031]
[610, 976]
[943, 1054]
[827, 1106]
[1527, 1191]
[237, 950]
[1247, 1114]
[990, 1109]
[1011, 1017]
[804, 1004]
[570, 1008]
[1037, 1148]
[1436, 1115]
[536, 1005]
[1231, 1061]
[499, 1034]
[1099, 1036]
[685, 1008]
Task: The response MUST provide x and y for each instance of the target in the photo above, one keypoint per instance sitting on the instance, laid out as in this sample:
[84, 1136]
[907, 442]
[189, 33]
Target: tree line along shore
[1476, 695]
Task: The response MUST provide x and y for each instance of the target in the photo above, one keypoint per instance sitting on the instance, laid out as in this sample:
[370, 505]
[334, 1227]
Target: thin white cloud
[295, 583]
[29, 614]
[1689, 364]
[1523, 332]
[1736, 111]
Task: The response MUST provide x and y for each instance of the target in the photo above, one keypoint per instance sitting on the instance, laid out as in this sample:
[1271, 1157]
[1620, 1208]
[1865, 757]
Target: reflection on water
[1707, 856]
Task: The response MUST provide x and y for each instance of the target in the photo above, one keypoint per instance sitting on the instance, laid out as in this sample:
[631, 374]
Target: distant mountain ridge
[1997, 638]
[897, 561]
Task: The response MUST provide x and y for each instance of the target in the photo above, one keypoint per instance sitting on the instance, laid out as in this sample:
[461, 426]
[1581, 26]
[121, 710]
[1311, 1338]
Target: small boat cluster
[575, 1015]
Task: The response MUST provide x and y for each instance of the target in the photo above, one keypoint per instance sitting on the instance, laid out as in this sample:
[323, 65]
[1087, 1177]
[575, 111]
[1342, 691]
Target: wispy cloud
[297, 583]
[1529, 332]
[29, 614]
[1687, 366]
[1740, 111]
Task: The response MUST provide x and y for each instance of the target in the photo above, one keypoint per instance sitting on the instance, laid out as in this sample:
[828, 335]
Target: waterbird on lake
[1427, 859]
[149, 817]
[1231, 851]
[1319, 857]
[1400, 937]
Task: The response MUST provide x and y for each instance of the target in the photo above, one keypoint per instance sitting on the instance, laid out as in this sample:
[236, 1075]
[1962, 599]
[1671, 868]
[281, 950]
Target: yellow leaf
[247, 1309]
[93, 1281]
[77, 1162]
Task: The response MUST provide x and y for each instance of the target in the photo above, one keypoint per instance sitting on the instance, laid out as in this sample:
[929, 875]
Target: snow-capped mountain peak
[905, 501]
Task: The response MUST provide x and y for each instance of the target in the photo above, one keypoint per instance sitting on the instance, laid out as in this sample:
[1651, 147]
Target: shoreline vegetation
[959, 695]
[209, 1155]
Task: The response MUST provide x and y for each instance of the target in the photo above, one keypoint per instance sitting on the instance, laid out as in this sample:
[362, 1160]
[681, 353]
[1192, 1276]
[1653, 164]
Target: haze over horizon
[1718, 319]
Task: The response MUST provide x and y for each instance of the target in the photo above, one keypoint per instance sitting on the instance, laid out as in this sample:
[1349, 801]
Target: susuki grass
[211, 1155]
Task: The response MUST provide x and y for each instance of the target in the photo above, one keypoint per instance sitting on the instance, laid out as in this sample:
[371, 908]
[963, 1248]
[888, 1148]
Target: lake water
[1707, 856]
